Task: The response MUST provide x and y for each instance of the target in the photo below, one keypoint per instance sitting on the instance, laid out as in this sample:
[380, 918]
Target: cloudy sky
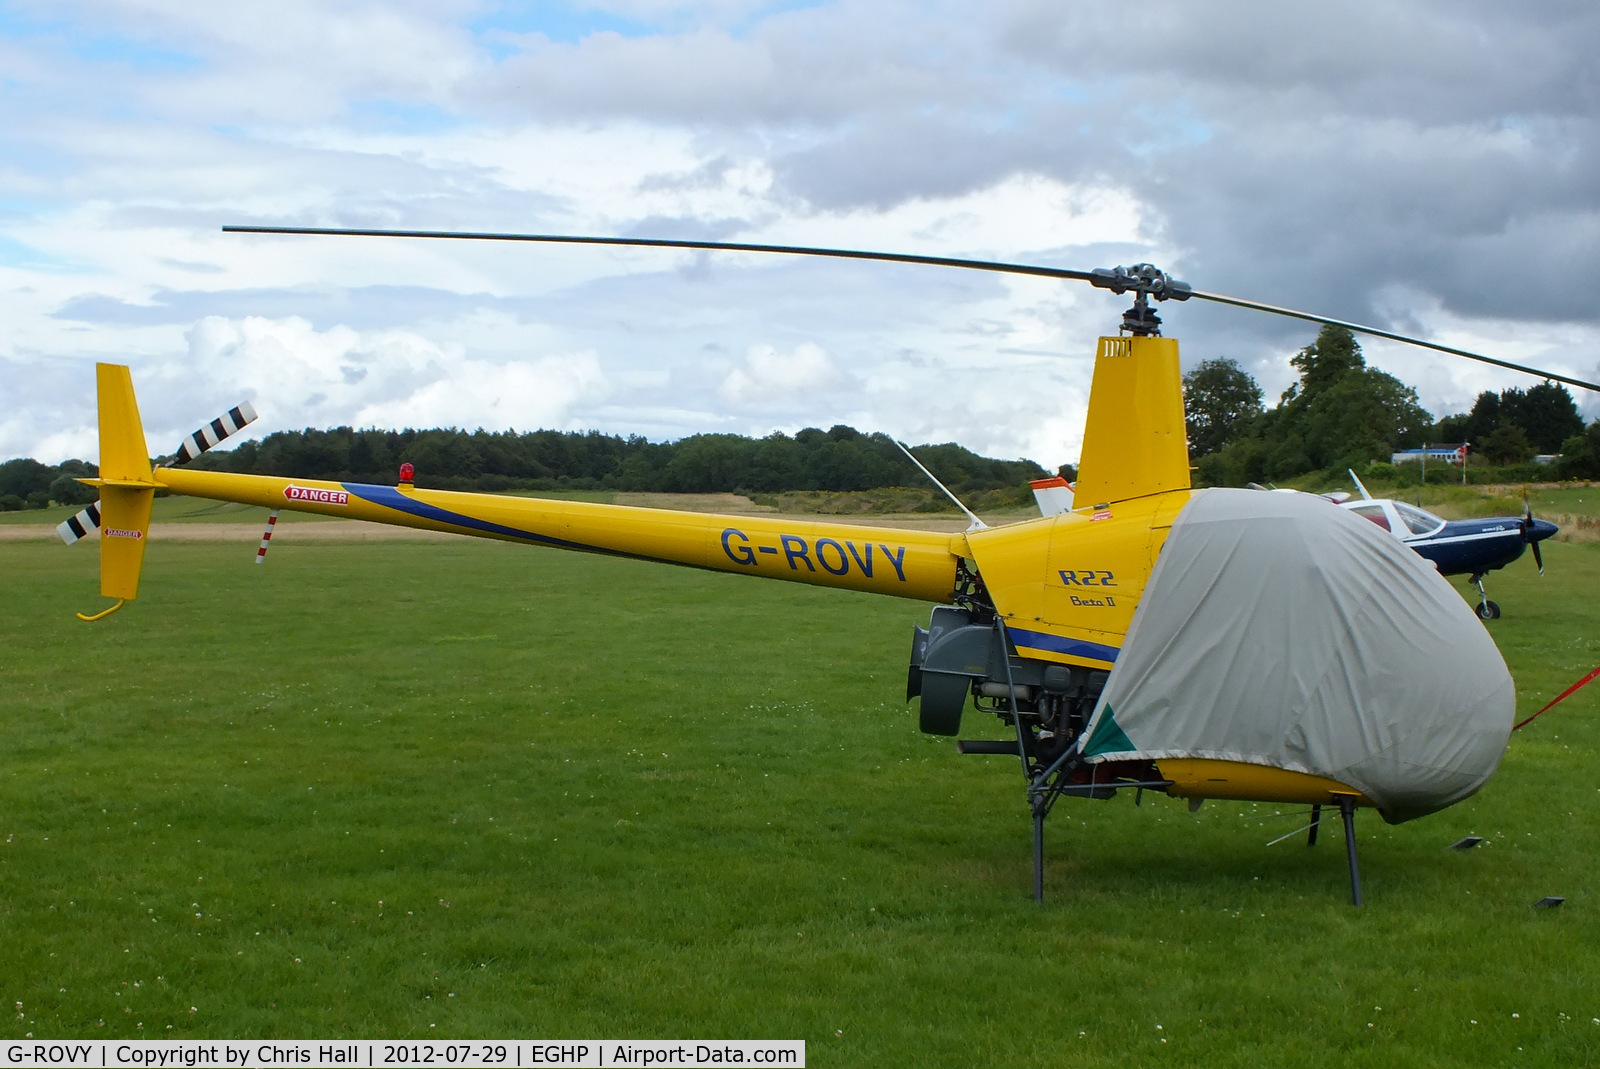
[1431, 167]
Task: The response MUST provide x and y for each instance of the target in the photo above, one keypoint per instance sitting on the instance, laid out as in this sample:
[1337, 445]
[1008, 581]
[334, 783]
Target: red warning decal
[321, 497]
[119, 532]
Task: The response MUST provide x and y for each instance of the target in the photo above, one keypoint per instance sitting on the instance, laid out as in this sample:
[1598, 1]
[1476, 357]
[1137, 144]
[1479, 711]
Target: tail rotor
[205, 438]
[128, 485]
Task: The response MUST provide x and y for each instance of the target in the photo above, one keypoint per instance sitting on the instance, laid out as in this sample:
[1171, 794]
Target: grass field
[476, 790]
[168, 510]
[914, 502]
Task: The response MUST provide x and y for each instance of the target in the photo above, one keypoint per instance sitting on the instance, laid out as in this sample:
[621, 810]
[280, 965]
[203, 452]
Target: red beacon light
[407, 474]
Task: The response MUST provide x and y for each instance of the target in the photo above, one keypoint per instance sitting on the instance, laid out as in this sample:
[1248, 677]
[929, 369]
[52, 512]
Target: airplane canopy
[1281, 630]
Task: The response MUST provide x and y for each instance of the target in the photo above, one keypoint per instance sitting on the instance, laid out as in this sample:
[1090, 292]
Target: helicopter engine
[965, 652]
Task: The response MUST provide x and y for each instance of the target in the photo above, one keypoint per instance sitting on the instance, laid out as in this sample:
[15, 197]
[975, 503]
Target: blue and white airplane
[1456, 547]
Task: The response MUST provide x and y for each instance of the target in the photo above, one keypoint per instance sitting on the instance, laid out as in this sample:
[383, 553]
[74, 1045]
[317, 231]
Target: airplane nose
[1542, 529]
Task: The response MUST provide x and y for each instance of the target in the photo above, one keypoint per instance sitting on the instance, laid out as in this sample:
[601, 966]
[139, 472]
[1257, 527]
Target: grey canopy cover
[1278, 629]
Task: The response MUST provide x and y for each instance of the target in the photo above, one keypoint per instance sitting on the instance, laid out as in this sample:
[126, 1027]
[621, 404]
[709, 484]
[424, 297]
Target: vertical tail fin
[1135, 441]
[210, 436]
[127, 487]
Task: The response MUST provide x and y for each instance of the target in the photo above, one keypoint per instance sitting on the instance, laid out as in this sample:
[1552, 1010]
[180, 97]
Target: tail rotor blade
[216, 432]
[78, 527]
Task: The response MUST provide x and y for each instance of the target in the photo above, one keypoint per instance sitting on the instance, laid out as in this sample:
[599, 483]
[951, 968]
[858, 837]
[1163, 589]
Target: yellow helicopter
[1228, 644]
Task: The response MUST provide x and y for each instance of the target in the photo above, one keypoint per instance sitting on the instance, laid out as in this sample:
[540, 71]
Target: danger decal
[311, 493]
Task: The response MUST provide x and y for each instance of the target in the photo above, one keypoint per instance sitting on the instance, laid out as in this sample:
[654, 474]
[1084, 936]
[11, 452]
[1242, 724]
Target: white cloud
[299, 376]
[1275, 154]
[521, 396]
[768, 375]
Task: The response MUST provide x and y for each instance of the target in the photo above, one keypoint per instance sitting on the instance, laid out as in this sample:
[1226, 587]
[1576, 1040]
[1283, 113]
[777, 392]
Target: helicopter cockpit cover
[1280, 630]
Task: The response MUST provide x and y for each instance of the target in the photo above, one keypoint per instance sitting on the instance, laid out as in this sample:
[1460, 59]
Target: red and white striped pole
[266, 536]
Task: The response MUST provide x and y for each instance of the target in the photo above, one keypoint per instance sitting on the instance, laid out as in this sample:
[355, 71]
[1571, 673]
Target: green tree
[1580, 455]
[1340, 413]
[1448, 429]
[1242, 461]
[1484, 418]
[840, 458]
[1365, 415]
[1334, 354]
[1546, 413]
[24, 476]
[1506, 444]
[67, 490]
[1220, 402]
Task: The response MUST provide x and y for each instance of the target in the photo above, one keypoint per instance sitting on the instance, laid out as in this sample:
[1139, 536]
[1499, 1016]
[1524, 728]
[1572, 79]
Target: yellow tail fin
[127, 488]
[1135, 442]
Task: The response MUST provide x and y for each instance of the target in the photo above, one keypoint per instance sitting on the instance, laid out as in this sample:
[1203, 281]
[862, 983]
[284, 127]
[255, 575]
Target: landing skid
[1053, 774]
[1057, 781]
[1064, 777]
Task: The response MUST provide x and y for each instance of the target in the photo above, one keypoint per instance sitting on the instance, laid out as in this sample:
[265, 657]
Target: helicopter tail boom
[913, 564]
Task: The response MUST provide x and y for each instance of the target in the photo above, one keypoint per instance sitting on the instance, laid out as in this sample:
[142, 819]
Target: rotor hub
[1144, 281]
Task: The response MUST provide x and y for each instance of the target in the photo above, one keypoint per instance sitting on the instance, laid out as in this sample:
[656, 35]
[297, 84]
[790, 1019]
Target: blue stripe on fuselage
[1073, 647]
[389, 497]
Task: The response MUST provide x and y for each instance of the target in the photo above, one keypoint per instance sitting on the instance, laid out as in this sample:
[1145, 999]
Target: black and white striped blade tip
[78, 527]
[217, 431]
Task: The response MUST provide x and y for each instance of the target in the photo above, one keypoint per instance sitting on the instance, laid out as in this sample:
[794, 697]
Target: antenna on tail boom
[976, 524]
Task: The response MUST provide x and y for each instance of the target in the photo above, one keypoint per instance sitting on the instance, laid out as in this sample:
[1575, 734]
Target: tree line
[1341, 413]
[838, 459]
[27, 484]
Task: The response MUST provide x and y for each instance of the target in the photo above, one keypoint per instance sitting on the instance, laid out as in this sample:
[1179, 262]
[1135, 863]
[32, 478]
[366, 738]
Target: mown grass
[474, 790]
[167, 510]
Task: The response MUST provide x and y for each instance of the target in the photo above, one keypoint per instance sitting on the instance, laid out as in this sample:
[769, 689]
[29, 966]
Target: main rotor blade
[892, 257]
[1257, 306]
[671, 243]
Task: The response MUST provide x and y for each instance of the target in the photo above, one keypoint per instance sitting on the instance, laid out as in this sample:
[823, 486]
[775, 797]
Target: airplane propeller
[1531, 533]
[1143, 280]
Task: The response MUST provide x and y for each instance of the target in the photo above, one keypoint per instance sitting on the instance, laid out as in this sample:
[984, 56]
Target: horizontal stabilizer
[1053, 495]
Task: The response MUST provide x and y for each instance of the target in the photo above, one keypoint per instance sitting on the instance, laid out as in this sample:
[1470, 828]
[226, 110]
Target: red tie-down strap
[1559, 697]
